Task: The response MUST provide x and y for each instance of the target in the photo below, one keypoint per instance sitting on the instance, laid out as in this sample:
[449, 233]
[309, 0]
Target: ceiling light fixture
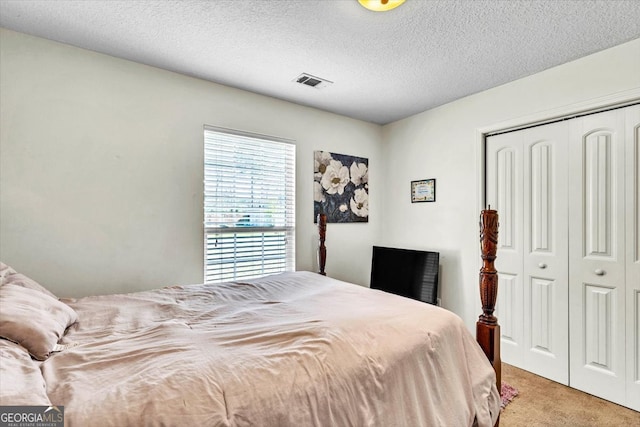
[380, 5]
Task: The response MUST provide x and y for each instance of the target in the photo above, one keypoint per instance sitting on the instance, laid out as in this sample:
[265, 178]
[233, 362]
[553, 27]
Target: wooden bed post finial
[487, 328]
[322, 249]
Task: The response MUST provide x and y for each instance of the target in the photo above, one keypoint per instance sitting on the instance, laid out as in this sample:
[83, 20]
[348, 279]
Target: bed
[293, 349]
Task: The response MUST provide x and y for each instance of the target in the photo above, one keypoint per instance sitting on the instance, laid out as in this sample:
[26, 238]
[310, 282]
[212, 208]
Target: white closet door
[504, 164]
[597, 255]
[527, 185]
[632, 173]
[546, 269]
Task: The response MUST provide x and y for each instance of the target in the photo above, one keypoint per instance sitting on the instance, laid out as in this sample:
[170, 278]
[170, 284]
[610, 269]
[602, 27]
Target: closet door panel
[509, 296]
[597, 255]
[546, 251]
[598, 186]
[542, 319]
[504, 193]
[632, 213]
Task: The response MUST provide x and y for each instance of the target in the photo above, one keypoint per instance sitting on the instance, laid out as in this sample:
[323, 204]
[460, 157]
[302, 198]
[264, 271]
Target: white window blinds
[249, 205]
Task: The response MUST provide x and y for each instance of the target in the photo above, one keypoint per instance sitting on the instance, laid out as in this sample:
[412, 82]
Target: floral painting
[340, 187]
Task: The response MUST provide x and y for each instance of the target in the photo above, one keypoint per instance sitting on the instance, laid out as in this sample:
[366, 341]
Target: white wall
[101, 169]
[443, 143]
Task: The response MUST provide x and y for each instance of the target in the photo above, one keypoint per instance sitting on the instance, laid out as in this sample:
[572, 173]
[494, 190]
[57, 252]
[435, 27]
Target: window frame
[284, 232]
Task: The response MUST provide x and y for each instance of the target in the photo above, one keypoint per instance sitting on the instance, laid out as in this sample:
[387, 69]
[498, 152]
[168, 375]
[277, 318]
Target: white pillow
[33, 319]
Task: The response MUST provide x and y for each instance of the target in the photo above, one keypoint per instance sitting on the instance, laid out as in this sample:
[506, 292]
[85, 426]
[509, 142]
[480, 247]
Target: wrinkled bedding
[296, 349]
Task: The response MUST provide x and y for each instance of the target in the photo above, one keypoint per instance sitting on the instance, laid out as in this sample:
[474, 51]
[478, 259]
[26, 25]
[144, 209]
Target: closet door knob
[542, 265]
[599, 272]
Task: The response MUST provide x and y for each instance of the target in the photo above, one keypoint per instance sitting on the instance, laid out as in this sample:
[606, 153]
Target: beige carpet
[541, 402]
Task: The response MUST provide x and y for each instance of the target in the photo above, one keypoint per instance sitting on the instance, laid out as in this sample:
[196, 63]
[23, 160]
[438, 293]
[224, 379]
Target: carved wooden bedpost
[487, 328]
[322, 249]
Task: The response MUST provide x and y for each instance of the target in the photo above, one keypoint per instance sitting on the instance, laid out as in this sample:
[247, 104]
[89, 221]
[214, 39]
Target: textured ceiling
[385, 66]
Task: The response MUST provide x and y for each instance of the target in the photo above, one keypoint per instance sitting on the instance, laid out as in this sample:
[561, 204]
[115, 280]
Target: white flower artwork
[359, 173]
[335, 178]
[360, 202]
[318, 192]
[340, 187]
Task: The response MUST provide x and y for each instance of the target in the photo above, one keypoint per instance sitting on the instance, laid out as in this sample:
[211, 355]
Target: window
[249, 205]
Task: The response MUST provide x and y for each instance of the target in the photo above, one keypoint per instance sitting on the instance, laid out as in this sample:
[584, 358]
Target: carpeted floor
[542, 402]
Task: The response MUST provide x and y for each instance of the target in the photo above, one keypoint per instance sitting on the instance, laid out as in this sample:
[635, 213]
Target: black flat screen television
[406, 272]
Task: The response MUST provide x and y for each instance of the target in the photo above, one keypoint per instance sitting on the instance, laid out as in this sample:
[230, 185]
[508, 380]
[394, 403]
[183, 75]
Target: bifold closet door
[527, 184]
[632, 173]
[597, 255]
[504, 181]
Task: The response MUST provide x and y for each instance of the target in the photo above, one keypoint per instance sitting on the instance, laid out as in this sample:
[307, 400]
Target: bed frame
[487, 327]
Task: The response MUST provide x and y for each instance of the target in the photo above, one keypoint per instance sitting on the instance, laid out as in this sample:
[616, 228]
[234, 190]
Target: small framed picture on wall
[423, 190]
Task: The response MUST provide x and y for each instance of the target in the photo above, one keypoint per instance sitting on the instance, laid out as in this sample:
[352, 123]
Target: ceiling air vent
[312, 81]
